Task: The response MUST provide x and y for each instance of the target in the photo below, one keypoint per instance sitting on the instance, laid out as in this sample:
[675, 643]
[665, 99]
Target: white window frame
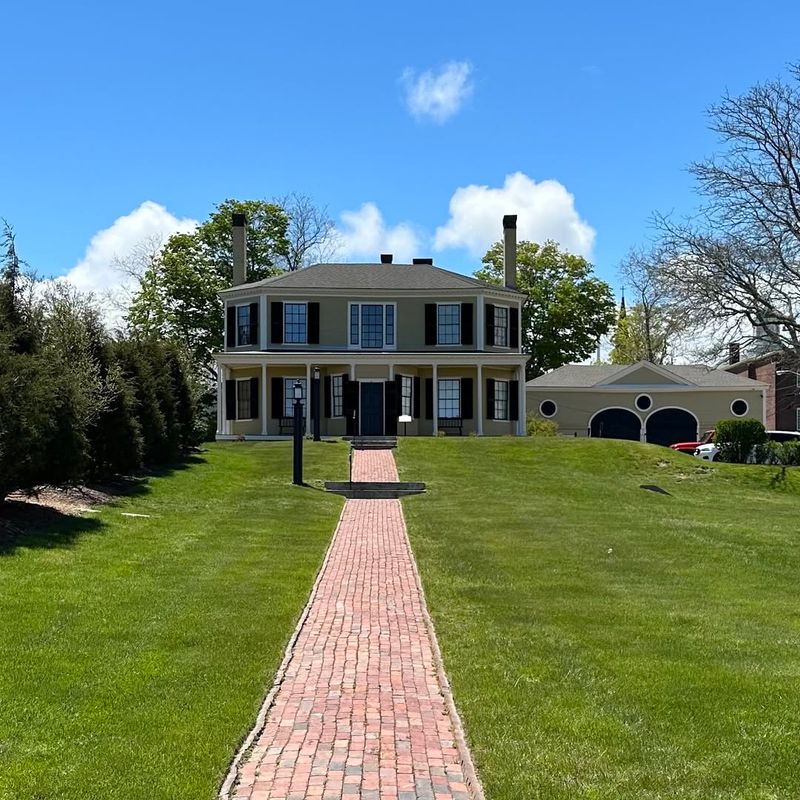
[508, 326]
[294, 303]
[251, 343]
[458, 337]
[410, 379]
[340, 376]
[385, 304]
[439, 395]
[240, 381]
[287, 397]
[507, 414]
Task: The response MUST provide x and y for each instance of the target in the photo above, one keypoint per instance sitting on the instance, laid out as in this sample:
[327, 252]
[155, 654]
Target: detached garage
[643, 401]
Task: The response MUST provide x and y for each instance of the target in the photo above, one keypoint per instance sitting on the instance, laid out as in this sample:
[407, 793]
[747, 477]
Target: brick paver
[374, 465]
[360, 712]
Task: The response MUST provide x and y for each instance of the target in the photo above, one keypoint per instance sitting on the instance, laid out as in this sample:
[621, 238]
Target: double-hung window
[372, 325]
[449, 400]
[244, 399]
[243, 329]
[288, 395]
[337, 395]
[501, 326]
[406, 395]
[448, 323]
[295, 323]
[501, 400]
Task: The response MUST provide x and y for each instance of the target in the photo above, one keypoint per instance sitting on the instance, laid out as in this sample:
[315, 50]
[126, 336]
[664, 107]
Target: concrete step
[374, 490]
[374, 442]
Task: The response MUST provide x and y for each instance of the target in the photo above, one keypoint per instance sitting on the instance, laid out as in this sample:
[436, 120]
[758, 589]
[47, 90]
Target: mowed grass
[604, 641]
[135, 652]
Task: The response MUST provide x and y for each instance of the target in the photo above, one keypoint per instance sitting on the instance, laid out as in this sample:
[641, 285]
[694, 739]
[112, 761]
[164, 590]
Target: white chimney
[510, 250]
[239, 249]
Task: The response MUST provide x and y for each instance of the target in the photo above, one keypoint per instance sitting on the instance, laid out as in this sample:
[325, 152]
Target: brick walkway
[360, 711]
[374, 465]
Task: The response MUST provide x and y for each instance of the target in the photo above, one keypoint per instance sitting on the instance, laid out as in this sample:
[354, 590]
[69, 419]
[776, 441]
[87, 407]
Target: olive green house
[378, 342]
[643, 401]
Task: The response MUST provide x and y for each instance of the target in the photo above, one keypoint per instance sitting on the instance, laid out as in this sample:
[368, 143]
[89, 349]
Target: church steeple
[622, 310]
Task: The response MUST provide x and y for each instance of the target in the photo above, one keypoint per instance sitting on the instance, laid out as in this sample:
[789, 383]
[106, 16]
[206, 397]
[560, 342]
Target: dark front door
[371, 409]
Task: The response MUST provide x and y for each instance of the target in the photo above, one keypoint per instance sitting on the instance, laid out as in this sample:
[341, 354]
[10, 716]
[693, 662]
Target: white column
[308, 398]
[352, 372]
[435, 410]
[481, 322]
[391, 372]
[480, 400]
[227, 424]
[263, 399]
[220, 399]
[522, 395]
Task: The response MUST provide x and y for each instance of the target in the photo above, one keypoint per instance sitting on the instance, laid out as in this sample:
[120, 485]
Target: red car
[690, 447]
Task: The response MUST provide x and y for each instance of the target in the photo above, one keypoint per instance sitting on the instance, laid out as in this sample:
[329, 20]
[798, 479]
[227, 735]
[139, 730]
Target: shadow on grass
[39, 525]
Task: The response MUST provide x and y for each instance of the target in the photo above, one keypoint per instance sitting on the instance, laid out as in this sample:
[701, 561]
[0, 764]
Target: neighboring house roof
[580, 376]
[422, 277]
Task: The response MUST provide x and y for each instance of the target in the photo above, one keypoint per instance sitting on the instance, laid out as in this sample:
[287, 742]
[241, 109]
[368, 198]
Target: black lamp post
[315, 394]
[298, 434]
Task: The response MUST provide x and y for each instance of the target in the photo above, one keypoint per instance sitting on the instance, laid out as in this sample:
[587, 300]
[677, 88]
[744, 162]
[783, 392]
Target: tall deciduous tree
[568, 309]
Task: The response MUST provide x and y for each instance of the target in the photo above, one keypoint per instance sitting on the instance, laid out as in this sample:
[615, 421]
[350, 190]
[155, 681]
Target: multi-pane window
[295, 323]
[244, 399]
[501, 326]
[449, 398]
[501, 399]
[288, 395]
[243, 325]
[406, 395]
[448, 323]
[372, 325]
[337, 395]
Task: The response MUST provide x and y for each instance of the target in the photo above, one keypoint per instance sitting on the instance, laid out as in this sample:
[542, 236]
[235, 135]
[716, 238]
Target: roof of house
[584, 376]
[421, 277]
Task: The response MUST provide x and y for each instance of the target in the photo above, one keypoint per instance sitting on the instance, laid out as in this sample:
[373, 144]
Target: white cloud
[438, 95]
[545, 210]
[364, 234]
[125, 241]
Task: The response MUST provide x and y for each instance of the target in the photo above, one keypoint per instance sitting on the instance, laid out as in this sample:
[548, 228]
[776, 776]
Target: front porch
[364, 394]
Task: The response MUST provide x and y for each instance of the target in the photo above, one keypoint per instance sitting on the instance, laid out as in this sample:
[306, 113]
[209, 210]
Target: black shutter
[327, 398]
[513, 400]
[489, 325]
[466, 323]
[254, 404]
[254, 339]
[313, 323]
[430, 323]
[513, 334]
[277, 398]
[230, 399]
[390, 404]
[276, 312]
[230, 339]
[428, 398]
[466, 398]
[351, 406]
[415, 397]
[490, 398]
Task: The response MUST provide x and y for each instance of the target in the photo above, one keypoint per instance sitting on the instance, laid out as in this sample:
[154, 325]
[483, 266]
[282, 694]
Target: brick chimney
[510, 250]
[239, 232]
[428, 261]
[734, 353]
[386, 258]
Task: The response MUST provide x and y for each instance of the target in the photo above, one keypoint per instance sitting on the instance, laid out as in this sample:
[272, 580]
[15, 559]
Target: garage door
[671, 425]
[616, 423]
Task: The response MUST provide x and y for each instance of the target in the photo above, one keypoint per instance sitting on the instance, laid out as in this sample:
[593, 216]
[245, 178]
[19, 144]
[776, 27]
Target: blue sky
[594, 109]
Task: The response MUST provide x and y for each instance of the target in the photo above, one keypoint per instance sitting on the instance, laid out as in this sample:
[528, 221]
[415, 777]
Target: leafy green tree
[641, 335]
[568, 309]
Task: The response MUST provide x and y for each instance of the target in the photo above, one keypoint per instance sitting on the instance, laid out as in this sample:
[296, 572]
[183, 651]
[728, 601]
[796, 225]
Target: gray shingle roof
[583, 376]
[373, 276]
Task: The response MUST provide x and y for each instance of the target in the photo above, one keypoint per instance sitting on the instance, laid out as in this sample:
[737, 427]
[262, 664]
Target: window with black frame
[406, 395]
[243, 325]
[295, 323]
[448, 327]
[337, 395]
[449, 400]
[501, 399]
[244, 399]
[501, 326]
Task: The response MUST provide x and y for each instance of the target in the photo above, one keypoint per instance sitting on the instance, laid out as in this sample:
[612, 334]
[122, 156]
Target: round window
[643, 402]
[547, 408]
[739, 408]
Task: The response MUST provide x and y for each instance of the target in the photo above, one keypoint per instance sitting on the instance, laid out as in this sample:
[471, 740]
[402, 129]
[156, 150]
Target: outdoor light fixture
[315, 410]
[316, 373]
[297, 460]
[298, 391]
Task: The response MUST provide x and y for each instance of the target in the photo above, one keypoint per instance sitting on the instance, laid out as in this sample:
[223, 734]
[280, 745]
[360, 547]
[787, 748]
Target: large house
[378, 342]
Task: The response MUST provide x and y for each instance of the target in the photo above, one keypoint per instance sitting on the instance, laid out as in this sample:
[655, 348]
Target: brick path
[360, 711]
[374, 465]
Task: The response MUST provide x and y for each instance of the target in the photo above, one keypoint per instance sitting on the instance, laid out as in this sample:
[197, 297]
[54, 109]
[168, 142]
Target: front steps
[374, 442]
[374, 490]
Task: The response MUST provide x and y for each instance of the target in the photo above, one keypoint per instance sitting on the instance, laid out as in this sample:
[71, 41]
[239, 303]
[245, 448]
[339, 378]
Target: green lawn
[134, 652]
[604, 641]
